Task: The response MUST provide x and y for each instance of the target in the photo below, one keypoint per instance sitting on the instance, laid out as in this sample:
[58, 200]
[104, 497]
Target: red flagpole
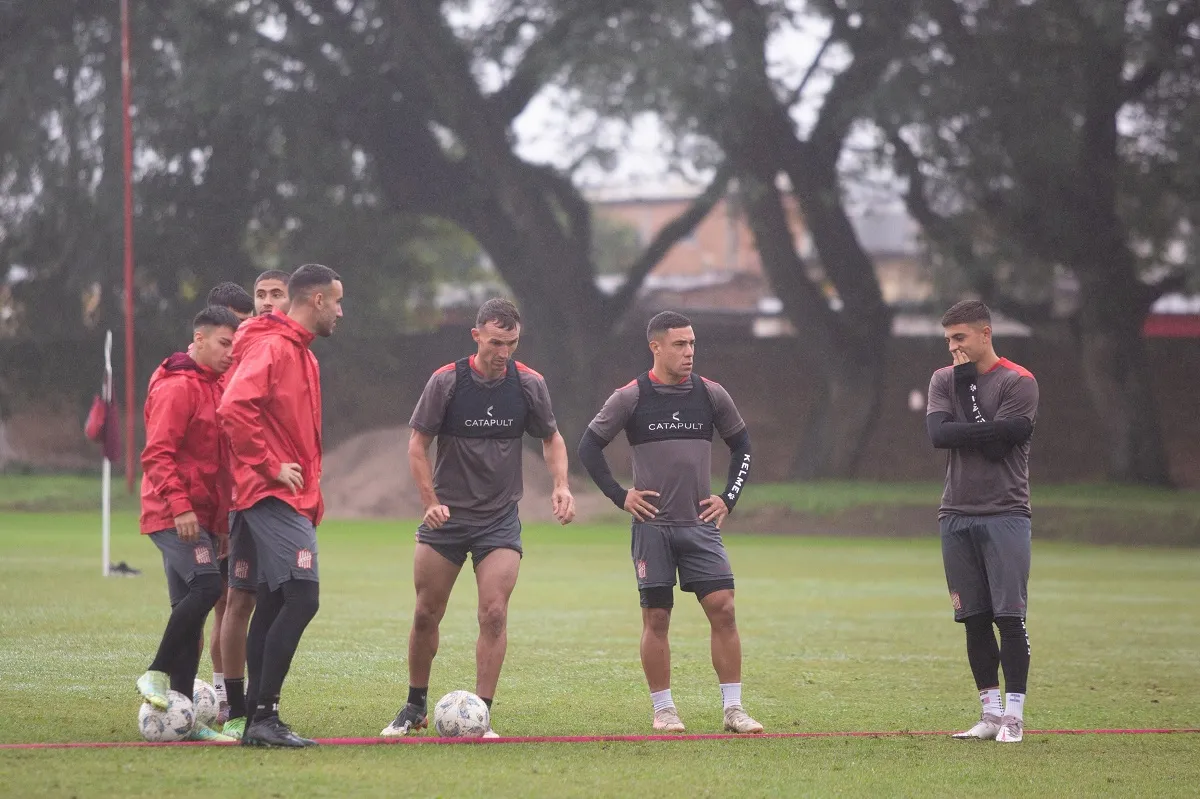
[129, 362]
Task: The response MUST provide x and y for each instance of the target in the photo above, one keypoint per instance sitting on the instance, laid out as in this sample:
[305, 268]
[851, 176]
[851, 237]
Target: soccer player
[185, 486]
[982, 409]
[236, 299]
[669, 414]
[271, 411]
[270, 292]
[478, 408]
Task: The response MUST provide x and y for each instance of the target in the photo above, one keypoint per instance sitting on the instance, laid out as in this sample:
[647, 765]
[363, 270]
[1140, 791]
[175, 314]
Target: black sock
[235, 687]
[417, 697]
[487, 701]
[300, 604]
[187, 617]
[1014, 653]
[982, 652]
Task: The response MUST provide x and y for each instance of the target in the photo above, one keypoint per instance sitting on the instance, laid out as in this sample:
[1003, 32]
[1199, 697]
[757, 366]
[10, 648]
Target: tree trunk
[1118, 378]
[842, 417]
[850, 352]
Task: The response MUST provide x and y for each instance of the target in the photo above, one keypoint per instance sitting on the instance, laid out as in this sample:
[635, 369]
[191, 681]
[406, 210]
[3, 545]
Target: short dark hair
[216, 316]
[231, 295]
[273, 274]
[308, 277]
[967, 312]
[498, 310]
[667, 320]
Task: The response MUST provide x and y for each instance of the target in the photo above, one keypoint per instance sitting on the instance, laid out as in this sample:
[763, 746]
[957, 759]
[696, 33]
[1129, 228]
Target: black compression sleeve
[1014, 431]
[948, 434]
[739, 467]
[591, 455]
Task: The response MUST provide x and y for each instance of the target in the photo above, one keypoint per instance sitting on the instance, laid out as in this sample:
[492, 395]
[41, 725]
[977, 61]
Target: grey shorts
[243, 556]
[284, 540]
[183, 561]
[695, 552]
[454, 541]
[987, 564]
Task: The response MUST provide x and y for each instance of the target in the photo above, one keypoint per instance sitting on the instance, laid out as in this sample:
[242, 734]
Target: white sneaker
[737, 720]
[1012, 730]
[491, 733]
[667, 720]
[986, 729]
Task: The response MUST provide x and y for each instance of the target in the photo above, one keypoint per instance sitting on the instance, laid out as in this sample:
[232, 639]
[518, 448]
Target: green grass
[62, 492]
[850, 634]
[831, 496]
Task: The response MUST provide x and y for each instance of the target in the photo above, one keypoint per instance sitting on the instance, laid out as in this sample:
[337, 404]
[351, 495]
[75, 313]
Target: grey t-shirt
[680, 470]
[976, 486]
[478, 478]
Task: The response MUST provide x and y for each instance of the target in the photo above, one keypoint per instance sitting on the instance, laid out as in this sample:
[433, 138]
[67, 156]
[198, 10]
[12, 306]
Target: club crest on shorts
[241, 569]
[641, 569]
[202, 554]
[955, 602]
[304, 559]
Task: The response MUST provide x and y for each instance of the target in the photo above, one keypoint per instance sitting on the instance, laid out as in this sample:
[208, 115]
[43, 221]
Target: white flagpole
[106, 469]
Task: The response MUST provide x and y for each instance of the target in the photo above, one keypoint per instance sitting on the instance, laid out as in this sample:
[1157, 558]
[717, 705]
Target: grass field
[838, 635]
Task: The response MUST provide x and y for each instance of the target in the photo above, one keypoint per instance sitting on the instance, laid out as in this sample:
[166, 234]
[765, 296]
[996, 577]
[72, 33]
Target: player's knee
[1012, 628]
[427, 616]
[721, 614]
[493, 618]
[207, 589]
[239, 604]
[303, 596]
[657, 621]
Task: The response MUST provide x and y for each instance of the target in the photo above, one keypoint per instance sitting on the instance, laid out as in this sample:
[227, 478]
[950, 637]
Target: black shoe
[124, 569]
[272, 731]
[410, 719]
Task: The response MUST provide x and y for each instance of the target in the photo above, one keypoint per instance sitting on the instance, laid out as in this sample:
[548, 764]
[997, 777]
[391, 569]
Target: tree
[399, 82]
[704, 67]
[1059, 128]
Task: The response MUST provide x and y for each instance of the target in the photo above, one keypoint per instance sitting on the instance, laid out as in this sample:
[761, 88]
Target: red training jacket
[271, 411]
[186, 463]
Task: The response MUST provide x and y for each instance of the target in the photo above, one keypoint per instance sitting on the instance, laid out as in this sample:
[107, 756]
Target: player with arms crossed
[270, 295]
[669, 415]
[478, 408]
[983, 409]
[185, 490]
[271, 412]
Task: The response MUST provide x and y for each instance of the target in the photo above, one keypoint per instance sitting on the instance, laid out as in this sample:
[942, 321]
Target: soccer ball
[461, 714]
[172, 724]
[205, 704]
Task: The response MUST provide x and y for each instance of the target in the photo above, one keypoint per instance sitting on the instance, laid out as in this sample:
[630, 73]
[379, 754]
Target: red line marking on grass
[538, 739]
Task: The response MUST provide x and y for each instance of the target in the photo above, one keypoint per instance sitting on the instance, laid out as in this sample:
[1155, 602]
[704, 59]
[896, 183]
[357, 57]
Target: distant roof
[657, 191]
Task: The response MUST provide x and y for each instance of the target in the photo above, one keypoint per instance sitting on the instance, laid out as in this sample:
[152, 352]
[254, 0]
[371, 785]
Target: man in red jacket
[270, 294]
[184, 489]
[271, 411]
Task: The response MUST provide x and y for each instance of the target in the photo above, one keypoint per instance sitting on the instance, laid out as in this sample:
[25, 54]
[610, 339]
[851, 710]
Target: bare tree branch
[668, 237]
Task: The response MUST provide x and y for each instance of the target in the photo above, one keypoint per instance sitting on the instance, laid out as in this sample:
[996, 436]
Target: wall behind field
[374, 382]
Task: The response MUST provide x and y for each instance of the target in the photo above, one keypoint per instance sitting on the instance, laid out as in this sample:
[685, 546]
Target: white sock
[661, 699]
[990, 699]
[219, 685]
[1014, 705]
[731, 694]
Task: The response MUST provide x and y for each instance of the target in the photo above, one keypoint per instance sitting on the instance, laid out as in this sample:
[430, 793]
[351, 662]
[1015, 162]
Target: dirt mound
[368, 476]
